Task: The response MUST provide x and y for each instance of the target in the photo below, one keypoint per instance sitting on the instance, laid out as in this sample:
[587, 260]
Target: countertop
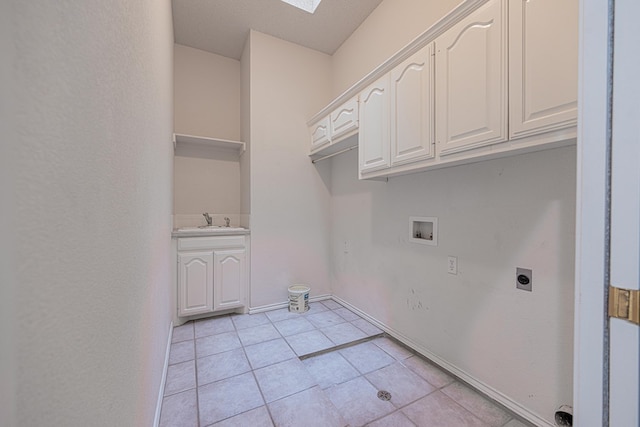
[206, 232]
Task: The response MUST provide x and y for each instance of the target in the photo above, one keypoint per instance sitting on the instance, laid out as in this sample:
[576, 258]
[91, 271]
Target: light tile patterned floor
[322, 368]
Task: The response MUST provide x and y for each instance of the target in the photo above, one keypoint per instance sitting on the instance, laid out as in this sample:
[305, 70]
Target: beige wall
[207, 103]
[92, 91]
[290, 197]
[245, 161]
[391, 26]
[207, 94]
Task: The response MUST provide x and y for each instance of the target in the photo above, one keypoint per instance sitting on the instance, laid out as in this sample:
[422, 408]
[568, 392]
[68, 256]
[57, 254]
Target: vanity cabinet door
[543, 65]
[195, 282]
[471, 81]
[412, 109]
[229, 279]
[374, 137]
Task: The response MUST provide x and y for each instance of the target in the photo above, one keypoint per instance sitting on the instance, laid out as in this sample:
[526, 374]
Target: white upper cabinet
[412, 109]
[320, 134]
[471, 76]
[344, 119]
[374, 137]
[543, 65]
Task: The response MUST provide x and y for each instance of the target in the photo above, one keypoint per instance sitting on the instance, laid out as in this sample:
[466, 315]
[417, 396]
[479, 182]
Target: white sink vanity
[212, 270]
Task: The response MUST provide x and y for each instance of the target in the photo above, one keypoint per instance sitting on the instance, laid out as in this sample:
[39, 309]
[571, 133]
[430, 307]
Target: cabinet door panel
[195, 283]
[471, 81]
[543, 65]
[320, 134]
[344, 119]
[229, 282]
[373, 140]
[412, 109]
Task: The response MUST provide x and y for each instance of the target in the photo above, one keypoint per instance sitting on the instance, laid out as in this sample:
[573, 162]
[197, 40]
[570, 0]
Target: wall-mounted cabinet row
[212, 274]
[503, 78]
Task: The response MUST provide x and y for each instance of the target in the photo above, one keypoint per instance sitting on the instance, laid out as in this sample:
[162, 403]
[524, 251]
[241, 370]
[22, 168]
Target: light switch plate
[524, 279]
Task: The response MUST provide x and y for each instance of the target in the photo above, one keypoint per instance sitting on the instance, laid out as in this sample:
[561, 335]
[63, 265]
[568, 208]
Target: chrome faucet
[226, 221]
[208, 218]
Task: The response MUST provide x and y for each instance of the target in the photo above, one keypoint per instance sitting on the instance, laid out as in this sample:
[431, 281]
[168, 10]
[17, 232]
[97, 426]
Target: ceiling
[222, 26]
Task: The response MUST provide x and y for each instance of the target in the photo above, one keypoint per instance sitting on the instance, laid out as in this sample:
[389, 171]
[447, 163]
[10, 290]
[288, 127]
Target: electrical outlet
[524, 279]
[347, 247]
[452, 265]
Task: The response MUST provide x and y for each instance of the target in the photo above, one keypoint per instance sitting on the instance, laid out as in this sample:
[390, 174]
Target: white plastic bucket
[299, 298]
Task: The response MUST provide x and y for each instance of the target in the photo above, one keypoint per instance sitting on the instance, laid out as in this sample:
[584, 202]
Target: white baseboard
[156, 421]
[467, 378]
[278, 305]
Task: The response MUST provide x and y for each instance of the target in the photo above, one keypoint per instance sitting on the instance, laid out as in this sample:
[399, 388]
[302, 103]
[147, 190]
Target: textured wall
[494, 216]
[92, 84]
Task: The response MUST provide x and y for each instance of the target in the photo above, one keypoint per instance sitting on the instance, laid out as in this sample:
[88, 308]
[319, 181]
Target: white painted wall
[207, 103]
[245, 110]
[290, 198]
[92, 85]
[206, 94]
[390, 27]
[494, 216]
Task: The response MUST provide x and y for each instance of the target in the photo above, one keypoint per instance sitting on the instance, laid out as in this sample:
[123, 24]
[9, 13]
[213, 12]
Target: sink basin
[209, 228]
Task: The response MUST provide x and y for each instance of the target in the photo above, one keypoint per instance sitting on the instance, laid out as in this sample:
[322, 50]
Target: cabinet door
[195, 282]
[374, 135]
[543, 65]
[344, 119]
[229, 282]
[412, 112]
[471, 81]
[320, 134]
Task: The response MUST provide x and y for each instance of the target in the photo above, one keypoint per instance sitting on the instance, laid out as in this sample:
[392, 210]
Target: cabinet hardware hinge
[624, 304]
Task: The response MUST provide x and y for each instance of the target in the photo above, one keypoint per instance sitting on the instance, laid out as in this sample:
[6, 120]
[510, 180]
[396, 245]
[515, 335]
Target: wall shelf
[203, 141]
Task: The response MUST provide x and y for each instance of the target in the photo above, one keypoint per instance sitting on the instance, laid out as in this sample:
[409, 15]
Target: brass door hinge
[624, 304]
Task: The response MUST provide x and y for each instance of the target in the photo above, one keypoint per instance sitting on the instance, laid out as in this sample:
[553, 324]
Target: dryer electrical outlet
[524, 279]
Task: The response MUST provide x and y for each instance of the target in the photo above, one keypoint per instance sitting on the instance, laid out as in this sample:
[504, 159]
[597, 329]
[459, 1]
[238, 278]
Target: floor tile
[242, 321]
[404, 386]
[346, 314]
[316, 307]
[438, 410]
[330, 369]
[180, 377]
[480, 406]
[258, 417]
[366, 357]
[182, 333]
[215, 344]
[269, 353]
[358, 402]
[430, 372]
[220, 366]
[324, 319]
[516, 423]
[294, 326]
[394, 349]
[182, 351]
[366, 327]
[283, 379]
[213, 325]
[180, 410]
[309, 408]
[309, 342]
[343, 333]
[281, 314]
[227, 398]
[331, 304]
[258, 334]
[396, 419]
